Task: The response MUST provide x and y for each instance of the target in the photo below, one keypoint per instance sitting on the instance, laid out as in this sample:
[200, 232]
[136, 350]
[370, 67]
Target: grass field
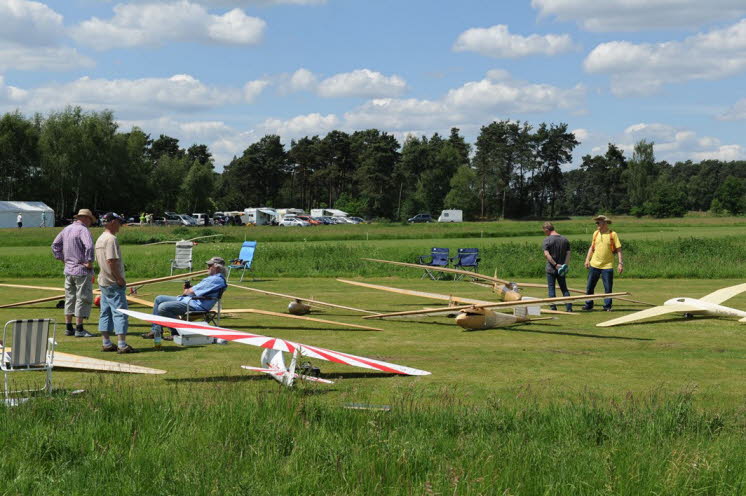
[552, 407]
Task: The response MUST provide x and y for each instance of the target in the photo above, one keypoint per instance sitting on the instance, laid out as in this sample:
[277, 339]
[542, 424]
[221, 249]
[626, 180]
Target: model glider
[272, 360]
[451, 299]
[299, 305]
[506, 290]
[482, 317]
[707, 305]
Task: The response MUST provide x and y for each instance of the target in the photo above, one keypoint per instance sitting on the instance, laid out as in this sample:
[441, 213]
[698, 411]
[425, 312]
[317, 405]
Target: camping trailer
[34, 214]
[262, 216]
[451, 216]
[328, 212]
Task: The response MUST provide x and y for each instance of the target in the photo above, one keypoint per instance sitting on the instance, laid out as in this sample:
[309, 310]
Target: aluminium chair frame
[22, 358]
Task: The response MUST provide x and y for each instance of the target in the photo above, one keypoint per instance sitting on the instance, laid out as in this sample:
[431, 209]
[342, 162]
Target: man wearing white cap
[74, 246]
[201, 297]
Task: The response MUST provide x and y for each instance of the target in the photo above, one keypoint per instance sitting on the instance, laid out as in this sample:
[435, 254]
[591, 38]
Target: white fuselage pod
[706, 307]
[275, 362]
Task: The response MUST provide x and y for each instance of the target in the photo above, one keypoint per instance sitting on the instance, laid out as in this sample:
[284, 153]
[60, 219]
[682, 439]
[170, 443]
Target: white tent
[35, 214]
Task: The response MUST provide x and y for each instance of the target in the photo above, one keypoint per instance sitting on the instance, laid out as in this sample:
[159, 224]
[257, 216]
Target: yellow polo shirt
[603, 257]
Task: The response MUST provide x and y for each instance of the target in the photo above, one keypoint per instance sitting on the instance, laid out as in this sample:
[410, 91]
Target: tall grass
[698, 258]
[189, 440]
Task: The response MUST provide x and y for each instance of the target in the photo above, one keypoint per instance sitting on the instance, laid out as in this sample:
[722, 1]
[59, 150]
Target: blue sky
[227, 72]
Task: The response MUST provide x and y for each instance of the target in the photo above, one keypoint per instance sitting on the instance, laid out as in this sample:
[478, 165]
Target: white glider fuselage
[706, 307]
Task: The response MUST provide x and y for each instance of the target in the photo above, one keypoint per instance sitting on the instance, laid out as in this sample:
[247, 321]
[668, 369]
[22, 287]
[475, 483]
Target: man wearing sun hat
[201, 297]
[113, 286]
[600, 260]
[74, 246]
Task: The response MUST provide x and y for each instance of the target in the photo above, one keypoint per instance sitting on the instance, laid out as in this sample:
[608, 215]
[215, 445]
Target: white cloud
[299, 126]
[361, 83]
[498, 42]
[27, 58]
[581, 134]
[260, 3]
[736, 113]
[634, 15]
[641, 69]
[156, 23]
[29, 23]
[10, 95]
[143, 97]
[672, 143]
[302, 80]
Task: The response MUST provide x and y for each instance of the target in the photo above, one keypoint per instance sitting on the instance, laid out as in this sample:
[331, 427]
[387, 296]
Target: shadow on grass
[581, 334]
[299, 328]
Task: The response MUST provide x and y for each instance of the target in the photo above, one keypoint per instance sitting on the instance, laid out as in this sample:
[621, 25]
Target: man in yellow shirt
[600, 260]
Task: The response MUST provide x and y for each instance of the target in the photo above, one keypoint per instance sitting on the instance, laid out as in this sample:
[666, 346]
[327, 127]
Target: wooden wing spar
[503, 304]
[78, 362]
[298, 317]
[299, 298]
[494, 280]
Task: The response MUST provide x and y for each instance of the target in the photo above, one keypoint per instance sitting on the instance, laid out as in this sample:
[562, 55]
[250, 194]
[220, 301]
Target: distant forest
[75, 159]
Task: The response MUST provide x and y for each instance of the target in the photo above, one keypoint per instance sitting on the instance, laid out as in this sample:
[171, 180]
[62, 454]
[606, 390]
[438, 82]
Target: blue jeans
[562, 281]
[607, 276]
[168, 306]
[113, 298]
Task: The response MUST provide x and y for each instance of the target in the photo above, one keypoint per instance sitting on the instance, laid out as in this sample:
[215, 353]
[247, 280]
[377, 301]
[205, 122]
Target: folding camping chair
[31, 349]
[183, 257]
[438, 258]
[466, 259]
[211, 316]
[245, 257]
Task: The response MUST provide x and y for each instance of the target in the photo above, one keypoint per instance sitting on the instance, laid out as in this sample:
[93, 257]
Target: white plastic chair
[31, 349]
[183, 258]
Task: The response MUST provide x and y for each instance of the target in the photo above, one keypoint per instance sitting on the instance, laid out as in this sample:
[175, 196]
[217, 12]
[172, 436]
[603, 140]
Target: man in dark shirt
[557, 252]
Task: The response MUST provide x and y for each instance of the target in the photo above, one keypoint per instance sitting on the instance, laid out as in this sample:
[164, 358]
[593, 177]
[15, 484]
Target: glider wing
[724, 294]
[649, 312]
[275, 344]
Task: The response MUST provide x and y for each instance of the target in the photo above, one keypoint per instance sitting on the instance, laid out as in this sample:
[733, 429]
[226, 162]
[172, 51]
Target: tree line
[73, 159]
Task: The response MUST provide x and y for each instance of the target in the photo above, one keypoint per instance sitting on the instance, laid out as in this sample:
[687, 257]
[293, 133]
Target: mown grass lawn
[555, 407]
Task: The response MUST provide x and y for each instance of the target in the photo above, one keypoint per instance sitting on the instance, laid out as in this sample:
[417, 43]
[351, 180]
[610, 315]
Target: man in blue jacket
[200, 298]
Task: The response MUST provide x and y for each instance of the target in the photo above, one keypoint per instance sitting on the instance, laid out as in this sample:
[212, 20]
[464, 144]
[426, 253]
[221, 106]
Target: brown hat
[216, 261]
[603, 218]
[84, 212]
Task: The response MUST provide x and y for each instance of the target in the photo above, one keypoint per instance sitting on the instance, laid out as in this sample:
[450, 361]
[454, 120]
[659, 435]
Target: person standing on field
[600, 260]
[74, 246]
[19, 220]
[113, 286]
[557, 252]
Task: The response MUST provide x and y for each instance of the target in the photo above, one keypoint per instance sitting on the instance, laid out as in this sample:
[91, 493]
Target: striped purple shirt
[74, 246]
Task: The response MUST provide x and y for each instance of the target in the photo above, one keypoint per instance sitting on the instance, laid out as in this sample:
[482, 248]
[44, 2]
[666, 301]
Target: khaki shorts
[78, 296]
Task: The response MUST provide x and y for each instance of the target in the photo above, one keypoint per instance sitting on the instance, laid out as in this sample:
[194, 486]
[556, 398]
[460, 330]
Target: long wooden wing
[441, 269]
[307, 300]
[504, 304]
[423, 294]
[297, 317]
[650, 312]
[724, 294]
[276, 344]
[28, 286]
[70, 361]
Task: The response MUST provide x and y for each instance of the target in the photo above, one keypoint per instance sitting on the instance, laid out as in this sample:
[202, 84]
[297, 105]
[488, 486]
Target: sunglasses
[598, 222]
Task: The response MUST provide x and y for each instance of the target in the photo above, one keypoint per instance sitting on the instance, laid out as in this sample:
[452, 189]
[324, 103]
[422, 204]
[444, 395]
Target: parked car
[324, 220]
[202, 219]
[356, 220]
[309, 219]
[294, 222]
[420, 218]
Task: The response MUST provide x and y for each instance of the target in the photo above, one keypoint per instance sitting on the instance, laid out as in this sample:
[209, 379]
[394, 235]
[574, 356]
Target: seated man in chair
[200, 298]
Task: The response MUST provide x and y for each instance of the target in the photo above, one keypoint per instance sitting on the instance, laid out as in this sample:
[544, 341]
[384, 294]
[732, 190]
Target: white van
[451, 216]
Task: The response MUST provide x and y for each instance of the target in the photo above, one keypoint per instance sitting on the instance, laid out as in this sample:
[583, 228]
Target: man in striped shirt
[74, 246]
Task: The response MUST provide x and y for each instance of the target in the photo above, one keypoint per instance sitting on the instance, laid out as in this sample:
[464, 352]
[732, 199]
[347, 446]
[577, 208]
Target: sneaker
[148, 335]
[607, 309]
[587, 308]
[84, 334]
[553, 308]
[126, 349]
[69, 332]
[110, 347]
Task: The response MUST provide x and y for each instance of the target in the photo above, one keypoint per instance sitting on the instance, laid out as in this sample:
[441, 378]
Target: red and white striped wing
[275, 344]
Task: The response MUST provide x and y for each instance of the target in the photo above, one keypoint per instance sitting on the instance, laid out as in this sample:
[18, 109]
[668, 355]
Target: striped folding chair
[31, 349]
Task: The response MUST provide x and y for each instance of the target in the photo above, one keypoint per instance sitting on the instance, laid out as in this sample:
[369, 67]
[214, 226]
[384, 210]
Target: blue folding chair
[438, 257]
[466, 259]
[245, 257]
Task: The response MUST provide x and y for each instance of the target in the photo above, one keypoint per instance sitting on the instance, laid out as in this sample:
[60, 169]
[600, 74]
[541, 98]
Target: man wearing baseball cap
[113, 286]
[200, 298]
[74, 246]
[600, 260]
